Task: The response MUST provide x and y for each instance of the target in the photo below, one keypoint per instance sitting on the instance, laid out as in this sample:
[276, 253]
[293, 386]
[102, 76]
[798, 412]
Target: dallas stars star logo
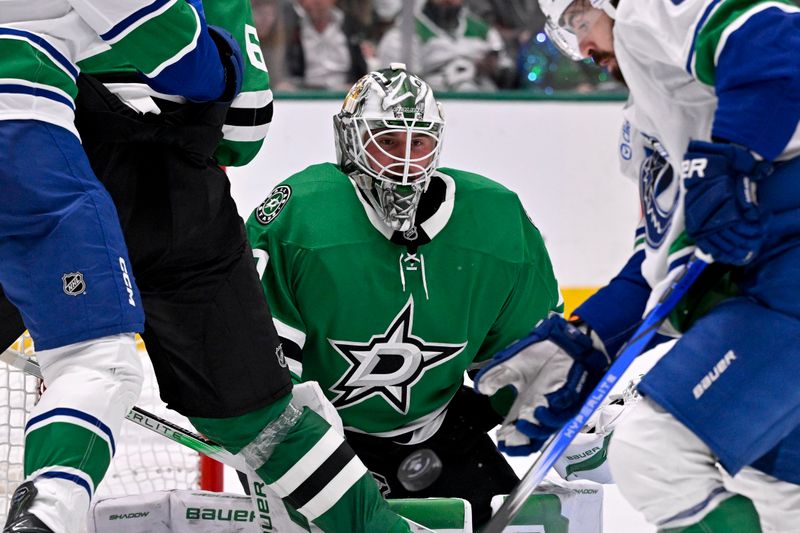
[389, 364]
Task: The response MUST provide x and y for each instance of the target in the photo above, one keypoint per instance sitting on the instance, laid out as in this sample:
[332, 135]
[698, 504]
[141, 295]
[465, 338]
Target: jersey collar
[431, 226]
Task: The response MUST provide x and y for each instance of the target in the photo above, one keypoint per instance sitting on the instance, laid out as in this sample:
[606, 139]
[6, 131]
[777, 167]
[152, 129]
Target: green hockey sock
[236, 432]
[734, 515]
[317, 472]
[312, 468]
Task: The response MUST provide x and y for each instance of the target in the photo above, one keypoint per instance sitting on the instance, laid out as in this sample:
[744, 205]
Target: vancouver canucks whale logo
[659, 193]
[389, 364]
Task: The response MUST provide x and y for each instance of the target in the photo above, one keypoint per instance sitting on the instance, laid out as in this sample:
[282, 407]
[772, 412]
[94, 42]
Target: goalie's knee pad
[663, 469]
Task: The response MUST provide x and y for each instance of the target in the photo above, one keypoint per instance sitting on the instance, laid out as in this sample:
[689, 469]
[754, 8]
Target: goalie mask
[566, 20]
[388, 138]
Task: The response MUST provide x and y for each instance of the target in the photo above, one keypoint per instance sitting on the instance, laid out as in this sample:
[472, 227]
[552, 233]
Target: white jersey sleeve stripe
[334, 490]
[288, 332]
[308, 464]
[252, 99]
[245, 133]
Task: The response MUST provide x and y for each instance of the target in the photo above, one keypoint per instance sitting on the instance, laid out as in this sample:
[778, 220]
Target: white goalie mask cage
[384, 103]
[563, 30]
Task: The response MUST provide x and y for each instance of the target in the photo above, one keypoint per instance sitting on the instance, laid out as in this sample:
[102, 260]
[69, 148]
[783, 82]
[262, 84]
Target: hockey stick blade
[143, 418]
[630, 351]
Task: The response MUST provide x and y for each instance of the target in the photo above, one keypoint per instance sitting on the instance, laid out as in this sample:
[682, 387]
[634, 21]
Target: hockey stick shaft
[143, 418]
[632, 349]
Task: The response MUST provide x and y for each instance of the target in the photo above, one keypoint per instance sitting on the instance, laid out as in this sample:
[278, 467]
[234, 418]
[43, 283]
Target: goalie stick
[630, 351]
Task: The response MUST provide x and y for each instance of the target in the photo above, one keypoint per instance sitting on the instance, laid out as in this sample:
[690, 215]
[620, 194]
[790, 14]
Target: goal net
[144, 461]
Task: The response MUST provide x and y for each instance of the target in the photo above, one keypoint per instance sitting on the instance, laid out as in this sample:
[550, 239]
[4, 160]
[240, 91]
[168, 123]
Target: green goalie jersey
[386, 322]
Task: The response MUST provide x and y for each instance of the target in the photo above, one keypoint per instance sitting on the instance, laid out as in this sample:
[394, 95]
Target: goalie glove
[552, 370]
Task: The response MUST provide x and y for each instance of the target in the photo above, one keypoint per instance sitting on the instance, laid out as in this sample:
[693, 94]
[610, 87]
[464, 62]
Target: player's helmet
[565, 17]
[382, 103]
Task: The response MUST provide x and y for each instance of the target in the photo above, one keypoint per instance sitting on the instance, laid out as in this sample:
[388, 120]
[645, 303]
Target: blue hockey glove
[231, 55]
[722, 213]
[553, 370]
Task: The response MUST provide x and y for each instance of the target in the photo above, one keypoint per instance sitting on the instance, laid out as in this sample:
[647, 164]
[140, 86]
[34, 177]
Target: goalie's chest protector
[389, 333]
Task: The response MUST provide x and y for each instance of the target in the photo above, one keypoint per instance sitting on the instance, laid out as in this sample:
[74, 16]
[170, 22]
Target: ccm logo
[127, 280]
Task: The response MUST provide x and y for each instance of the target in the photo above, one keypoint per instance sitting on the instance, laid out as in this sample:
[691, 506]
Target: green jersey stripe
[116, 34]
[723, 21]
[172, 45]
[79, 448]
[681, 243]
[25, 61]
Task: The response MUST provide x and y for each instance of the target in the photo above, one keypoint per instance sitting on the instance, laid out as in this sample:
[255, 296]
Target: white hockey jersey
[41, 42]
[684, 87]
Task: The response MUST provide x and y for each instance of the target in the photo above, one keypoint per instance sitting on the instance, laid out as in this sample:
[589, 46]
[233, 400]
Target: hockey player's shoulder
[470, 185]
[315, 185]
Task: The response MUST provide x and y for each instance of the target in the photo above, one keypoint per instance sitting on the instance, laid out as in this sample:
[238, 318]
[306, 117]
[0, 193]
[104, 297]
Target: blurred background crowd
[455, 45]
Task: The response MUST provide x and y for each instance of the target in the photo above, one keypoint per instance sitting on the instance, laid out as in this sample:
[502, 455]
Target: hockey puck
[419, 470]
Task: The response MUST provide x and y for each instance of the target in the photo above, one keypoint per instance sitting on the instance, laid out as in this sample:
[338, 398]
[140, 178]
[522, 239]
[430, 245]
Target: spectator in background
[385, 12]
[452, 49]
[268, 18]
[516, 20]
[539, 64]
[324, 47]
[375, 17]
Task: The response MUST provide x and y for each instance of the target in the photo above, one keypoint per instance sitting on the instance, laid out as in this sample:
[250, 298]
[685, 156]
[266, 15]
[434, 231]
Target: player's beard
[609, 61]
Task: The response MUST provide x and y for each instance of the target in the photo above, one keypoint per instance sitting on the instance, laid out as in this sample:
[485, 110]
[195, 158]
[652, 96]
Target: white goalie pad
[559, 506]
[175, 511]
[190, 511]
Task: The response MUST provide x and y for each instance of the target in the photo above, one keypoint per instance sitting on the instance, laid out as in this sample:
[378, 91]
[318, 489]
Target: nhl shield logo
[74, 284]
[272, 206]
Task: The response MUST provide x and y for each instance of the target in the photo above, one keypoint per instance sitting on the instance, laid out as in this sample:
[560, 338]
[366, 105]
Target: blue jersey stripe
[700, 25]
[58, 56]
[131, 19]
[69, 477]
[36, 91]
[86, 417]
